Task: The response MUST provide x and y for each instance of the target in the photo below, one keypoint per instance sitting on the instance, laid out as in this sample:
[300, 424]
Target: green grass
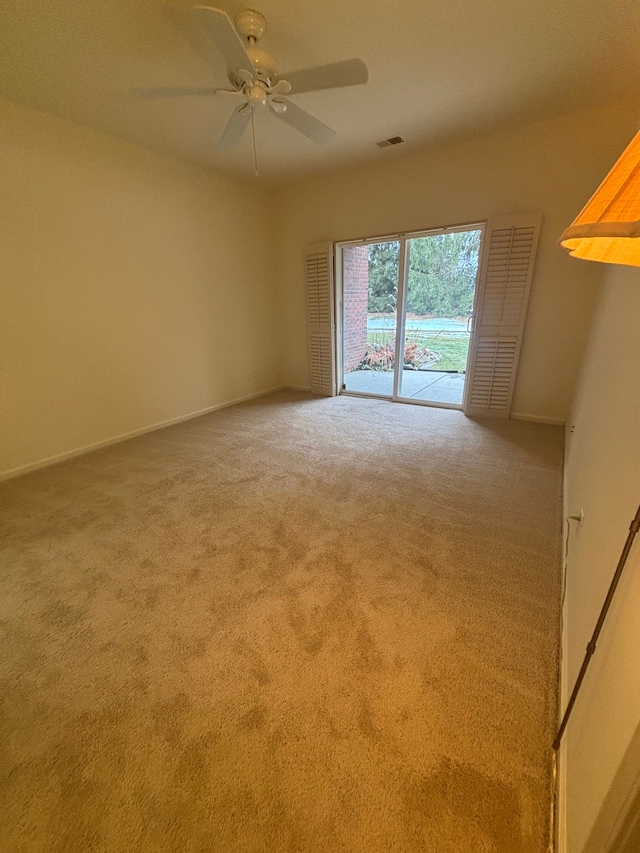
[452, 348]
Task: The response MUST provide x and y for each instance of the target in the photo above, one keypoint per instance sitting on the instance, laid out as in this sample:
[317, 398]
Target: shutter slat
[319, 276]
[508, 256]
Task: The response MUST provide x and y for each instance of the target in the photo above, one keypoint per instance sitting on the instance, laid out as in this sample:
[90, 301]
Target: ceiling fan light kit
[253, 74]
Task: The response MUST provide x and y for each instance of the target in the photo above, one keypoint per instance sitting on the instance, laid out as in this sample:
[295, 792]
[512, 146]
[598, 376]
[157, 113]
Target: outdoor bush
[383, 357]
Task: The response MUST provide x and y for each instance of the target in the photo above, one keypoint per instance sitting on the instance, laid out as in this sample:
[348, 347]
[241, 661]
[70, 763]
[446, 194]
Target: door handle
[470, 323]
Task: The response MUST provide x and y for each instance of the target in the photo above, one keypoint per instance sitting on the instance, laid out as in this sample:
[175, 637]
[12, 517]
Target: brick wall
[355, 288]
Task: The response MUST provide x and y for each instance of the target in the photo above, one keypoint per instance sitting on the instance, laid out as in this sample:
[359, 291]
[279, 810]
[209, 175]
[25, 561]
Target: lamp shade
[608, 227]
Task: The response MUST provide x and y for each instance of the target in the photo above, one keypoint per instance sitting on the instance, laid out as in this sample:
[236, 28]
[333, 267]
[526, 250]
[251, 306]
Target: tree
[383, 277]
[442, 274]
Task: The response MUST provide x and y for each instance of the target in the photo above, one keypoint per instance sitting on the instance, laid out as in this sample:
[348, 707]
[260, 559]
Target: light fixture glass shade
[608, 227]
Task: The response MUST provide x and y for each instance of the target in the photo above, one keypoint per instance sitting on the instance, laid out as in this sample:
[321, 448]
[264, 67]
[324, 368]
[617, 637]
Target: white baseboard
[80, 451]
[536, 419]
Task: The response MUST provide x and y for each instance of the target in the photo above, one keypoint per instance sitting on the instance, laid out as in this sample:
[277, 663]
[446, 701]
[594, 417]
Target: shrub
[383, 357]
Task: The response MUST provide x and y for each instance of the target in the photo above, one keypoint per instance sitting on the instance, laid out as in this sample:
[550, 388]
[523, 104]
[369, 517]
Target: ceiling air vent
[392, 140]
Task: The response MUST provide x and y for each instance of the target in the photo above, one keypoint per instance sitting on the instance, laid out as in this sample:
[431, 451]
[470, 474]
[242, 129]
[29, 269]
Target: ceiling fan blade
[282, 87]
[214, 26]
[172, 91]
[235, 128]
[305, 123]
[351, 72]
[244, 76]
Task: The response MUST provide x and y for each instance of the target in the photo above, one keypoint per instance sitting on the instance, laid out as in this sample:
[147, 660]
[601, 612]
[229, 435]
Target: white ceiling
[438, 71]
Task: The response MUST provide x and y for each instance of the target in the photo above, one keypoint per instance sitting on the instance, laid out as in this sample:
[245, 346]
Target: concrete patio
[429, 385]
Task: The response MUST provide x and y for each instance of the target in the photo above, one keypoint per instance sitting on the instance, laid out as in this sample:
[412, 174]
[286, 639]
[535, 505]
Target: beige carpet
[293, 625]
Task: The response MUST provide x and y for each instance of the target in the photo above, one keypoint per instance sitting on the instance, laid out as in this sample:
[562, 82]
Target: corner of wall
[602, 471]
[137, 288]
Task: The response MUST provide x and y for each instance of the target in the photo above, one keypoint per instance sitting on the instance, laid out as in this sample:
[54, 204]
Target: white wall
[602, 477]
[134, 288]
[137, 289]
[551, 166]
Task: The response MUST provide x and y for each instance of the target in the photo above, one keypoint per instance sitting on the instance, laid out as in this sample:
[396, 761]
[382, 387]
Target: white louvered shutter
[320, 308]
[508, 257]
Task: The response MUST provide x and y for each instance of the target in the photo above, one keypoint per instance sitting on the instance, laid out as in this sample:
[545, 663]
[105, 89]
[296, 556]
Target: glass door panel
[370, 278]
[440, 290]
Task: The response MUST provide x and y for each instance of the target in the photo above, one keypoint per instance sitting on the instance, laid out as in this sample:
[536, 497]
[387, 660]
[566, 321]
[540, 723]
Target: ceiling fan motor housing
[263, 62]
[251, 26]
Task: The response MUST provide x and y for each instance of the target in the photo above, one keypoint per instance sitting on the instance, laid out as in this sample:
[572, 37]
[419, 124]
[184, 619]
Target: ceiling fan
[253, 74]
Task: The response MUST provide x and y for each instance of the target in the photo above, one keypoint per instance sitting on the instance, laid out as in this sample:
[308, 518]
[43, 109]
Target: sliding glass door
[408, 304]
[370, 289]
